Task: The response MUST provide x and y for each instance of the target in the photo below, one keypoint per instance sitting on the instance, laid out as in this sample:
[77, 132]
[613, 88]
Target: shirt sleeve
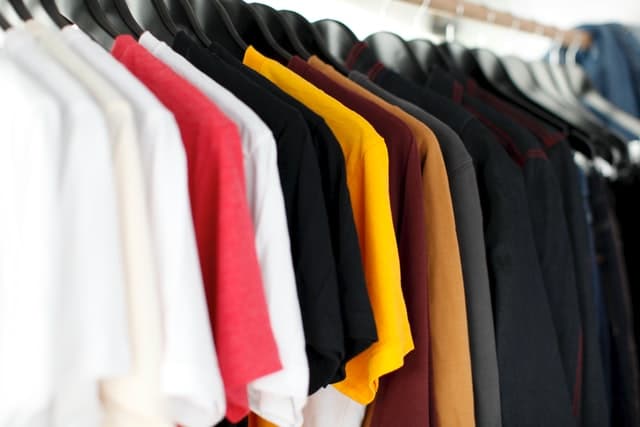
[226, 241]
[278, 397]
[313, 259]
[191, 378]
[372, 211]
[96, 286]
[357, 315]
[135, 397]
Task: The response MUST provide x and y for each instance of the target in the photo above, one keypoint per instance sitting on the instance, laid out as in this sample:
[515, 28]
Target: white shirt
[134, 399]
[328, 407]
[87, 336]
[30, 123]
[278, 397]
[192, 383]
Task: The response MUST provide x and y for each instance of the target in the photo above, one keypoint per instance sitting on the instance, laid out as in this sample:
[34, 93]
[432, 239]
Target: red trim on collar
[375, 70]
[354, 54]
[458, 92]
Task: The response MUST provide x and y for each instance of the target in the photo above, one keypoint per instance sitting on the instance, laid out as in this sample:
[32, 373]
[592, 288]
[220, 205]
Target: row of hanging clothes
[214, 212]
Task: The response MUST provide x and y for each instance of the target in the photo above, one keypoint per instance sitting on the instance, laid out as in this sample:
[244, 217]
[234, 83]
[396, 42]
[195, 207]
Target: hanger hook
[385, 7]
[574, 49]
[515, 23]
[451, 33]
[423, 10]
[556, 46]
[491, 15]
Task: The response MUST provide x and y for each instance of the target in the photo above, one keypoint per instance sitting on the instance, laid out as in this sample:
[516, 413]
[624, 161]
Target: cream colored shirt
[133, 399]
[191, 380]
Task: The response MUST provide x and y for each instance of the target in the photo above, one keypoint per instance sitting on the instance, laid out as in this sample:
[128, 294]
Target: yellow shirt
[452, 393]
[367, 167]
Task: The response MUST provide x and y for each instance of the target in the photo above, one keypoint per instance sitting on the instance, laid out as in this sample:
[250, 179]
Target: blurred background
[412, 21]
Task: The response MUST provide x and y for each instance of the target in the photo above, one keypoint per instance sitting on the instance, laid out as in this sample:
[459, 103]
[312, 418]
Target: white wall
[409, 21]
[567, 13]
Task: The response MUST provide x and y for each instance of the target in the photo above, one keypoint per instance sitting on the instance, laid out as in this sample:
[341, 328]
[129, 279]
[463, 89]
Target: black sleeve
[357, 315]
[312, 252]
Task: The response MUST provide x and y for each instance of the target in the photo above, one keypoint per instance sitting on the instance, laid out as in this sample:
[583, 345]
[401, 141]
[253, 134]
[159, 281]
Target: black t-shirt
[532, 382]
[307, 221]
[356, 308]
[325, 246]
[408, 212]
[550, 229]
[625, 377]
[595, 396]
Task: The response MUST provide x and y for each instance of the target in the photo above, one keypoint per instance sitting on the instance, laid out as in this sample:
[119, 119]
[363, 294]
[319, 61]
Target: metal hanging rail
[482, 13]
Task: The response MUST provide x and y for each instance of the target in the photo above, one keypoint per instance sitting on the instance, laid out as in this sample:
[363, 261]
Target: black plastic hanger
[563, 90]
[311, 39]
[461, 61]
[584, 91]
[491, 74]
[428, 54]
[577, 79]
[40, 9]
[217, 25]
[165, 16]
[253, 30]
[279, 30]
[52, 10]
[338, 38]
[26, 11]
[542, 76]
[99, 18]
[576, 87]
[298, 30]
[559, 75]
[21, 9]
[494, 77]
[184, 17]
[95, 18]
[4, 24]
[608, 146]
[562, 83]
[393, 51]
[89, 16]
[611, 137]
[153, 16]
[543, 73]
[118, 13]
[522, 76]
[138, 16]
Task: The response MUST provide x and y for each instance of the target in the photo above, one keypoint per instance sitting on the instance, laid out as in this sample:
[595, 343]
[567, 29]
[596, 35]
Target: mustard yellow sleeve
[367, 165]
[257, 421]
[369, 189]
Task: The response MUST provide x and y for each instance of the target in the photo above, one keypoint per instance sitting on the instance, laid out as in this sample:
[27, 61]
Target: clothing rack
[482, 13]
